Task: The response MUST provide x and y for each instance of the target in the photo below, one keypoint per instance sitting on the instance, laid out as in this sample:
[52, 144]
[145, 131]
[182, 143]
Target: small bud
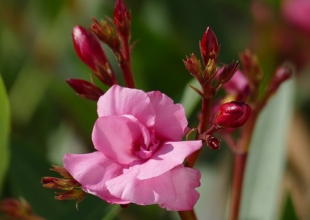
[209, 47]
[251, 67]
[59, 183]
[122, 19]
[193, 66]
[232, 114]
[71, 187]
[282, 73]
[106, 33]
[18, 209]
[228, 72]
[85, 89]
[213, 142]
[89, 50]
[62, 171]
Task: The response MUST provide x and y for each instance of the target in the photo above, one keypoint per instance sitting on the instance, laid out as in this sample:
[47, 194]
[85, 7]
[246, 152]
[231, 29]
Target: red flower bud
[85, 89]
[213, 142]
[89, 50]
[193, 66]
[122, 19]
[282, 74]
[251, 67]
[227, 72]
[209, 47]
[106, 33]
[232, 114]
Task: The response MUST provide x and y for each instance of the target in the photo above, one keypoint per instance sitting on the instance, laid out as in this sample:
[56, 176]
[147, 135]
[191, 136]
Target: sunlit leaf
[190, 98]
[4, 131]
[267, 158]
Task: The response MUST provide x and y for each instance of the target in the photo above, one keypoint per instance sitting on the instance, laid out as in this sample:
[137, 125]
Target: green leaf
[289, 210]
[4, 132]
[267, 158]
[190, 98]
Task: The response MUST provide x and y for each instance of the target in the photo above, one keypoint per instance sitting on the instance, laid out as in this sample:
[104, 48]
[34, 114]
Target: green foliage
[4, 132]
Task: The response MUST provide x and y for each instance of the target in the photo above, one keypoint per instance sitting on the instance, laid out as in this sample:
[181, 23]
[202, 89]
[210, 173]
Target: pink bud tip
[85, 89]
[232, 114]
[209, 47]
[122, 18]
[88, 48]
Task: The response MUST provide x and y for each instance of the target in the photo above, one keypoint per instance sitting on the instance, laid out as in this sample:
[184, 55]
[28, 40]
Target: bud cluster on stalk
[116, 35]
[70, 187]
[209, 50]
[211, 78]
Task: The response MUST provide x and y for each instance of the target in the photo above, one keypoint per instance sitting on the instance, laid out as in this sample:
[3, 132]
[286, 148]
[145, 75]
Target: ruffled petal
[185, 181]
[170, 122]
[120, 101]
[92, 171]
[168, 156]
[115, 137]
[142, 192]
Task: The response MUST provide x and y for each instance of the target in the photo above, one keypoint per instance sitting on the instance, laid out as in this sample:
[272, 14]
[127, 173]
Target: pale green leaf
[267, 158]
[4, 131]
[190, 98]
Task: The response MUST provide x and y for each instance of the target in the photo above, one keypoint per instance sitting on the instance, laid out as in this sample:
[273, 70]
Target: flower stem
[203, 125]
[188, 215]
[125, 64]
[236, 190]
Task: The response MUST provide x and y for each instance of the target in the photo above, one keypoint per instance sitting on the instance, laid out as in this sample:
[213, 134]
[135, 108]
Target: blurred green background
[48, 119]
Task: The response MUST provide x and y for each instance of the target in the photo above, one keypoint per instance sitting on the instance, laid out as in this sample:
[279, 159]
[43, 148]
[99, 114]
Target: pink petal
[170, 122]
[185, 181]
[142, 192]
[168, 156]
[92, 171]
[121, 101]
[114, 136]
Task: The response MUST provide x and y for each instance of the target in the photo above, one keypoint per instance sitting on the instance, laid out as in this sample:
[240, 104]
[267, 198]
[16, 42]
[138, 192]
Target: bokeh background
[47, 119]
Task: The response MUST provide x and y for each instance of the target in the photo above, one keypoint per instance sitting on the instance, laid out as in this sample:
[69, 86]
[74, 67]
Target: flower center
[148, 147]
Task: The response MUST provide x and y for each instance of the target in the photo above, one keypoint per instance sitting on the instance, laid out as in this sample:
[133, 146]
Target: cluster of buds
[88, 48]
[230, 115]
[71, 187]
[209, 50]
[17, 209]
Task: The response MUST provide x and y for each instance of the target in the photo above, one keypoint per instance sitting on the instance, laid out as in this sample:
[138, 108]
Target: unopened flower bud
[122, 19]
[209, 47]
[232, 114]
[71, 187]
[193, 66]
[213, 142]
[106, 33]
[227, 72]
[89, 50]
[18, 209]
[85, 89]
[282, 74]
[251, 67]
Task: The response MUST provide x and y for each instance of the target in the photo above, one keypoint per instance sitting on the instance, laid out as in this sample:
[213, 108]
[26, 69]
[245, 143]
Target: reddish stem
[187, 215]
[203, 125]
[238, 174]
[125, 64]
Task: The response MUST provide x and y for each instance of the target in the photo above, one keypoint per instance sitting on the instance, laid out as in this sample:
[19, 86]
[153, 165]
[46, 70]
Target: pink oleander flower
[139, 157]
[297, 13]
